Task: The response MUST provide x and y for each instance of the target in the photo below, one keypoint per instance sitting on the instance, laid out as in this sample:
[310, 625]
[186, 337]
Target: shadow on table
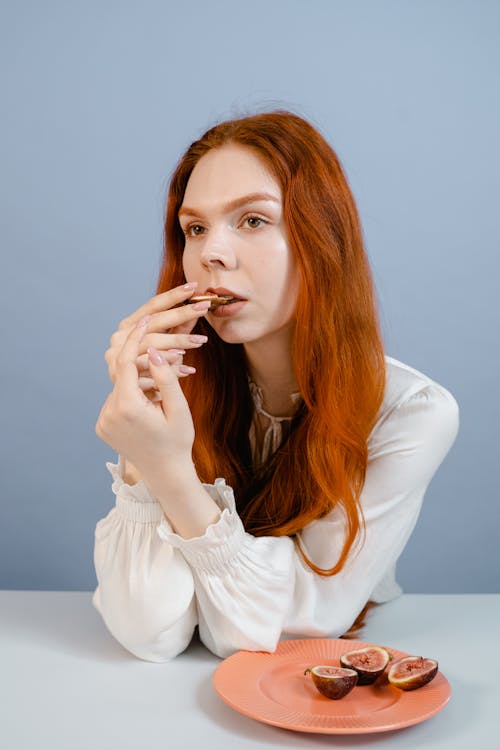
[449, 723]
[77, 630]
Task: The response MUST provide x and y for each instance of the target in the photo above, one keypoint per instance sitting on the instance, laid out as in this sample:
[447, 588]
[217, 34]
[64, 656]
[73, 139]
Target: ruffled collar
[258, 399]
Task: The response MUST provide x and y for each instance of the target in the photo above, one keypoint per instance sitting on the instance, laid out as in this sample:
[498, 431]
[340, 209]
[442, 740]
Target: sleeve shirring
[139, 512]
[138, 492]
[222, 540]
[133, 502]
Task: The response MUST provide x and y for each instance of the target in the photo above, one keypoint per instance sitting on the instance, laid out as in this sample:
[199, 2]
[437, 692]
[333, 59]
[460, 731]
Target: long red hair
[337, 349]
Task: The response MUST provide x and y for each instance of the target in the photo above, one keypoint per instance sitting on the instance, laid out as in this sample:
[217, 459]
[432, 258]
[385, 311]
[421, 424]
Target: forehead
[226, 173]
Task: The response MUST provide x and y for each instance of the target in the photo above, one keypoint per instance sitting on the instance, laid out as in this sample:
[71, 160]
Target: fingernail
[177, 351]
[186, 369]
[190, 285]
[201, 306]
[155, 356]
[143, 321]
[196, 339]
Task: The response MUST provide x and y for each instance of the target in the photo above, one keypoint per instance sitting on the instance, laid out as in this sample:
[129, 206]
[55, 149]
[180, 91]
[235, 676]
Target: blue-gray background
[100, 99]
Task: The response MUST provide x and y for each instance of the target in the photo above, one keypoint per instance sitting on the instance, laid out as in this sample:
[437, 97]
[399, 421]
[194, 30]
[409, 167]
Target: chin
[232, 333]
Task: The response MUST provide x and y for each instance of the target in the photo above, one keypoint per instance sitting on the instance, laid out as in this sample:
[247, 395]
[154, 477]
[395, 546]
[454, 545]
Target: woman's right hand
[169, 330]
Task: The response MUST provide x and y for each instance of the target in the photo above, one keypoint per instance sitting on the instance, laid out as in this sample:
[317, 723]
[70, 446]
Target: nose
[217, 250]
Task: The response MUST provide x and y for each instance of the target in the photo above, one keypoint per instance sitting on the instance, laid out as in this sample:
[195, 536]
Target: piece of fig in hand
[412, 672]
[368, 662]
[333, 682]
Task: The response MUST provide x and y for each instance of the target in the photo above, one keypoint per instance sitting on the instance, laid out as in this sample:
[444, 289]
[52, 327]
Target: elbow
[454, 418]
[162, 647]
[448, 421]
[445, 429]
[227, 641]
[150, 641]
[224, 650]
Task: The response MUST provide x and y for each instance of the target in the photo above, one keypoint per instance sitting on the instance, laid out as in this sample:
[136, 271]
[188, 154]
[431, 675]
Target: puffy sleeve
[405, 452]
[145, 591]
[250, 590]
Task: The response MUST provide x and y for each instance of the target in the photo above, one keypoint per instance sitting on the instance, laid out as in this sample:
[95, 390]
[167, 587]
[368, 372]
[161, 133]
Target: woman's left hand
[151, 436]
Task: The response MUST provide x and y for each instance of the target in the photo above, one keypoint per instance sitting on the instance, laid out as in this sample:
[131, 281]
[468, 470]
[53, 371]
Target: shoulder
[414, 403]
[405, 385]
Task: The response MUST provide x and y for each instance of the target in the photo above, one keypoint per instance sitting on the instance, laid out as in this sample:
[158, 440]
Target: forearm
[186, 504]
[130, 474]
[145, 591]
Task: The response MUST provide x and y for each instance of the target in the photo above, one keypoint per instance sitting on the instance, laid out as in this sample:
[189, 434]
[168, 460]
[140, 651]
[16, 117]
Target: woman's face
[239, 243]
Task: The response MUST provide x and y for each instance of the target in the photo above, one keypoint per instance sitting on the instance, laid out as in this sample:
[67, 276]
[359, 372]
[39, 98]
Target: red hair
[337, 349]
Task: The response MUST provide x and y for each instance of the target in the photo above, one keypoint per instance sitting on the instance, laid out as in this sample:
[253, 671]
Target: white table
[66, 684]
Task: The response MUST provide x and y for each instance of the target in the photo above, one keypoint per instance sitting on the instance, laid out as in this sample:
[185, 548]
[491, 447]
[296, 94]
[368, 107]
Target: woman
[268, 486]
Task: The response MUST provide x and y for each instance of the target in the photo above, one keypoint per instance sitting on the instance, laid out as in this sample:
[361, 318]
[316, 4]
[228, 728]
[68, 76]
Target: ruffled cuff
[134, 502]
[222, 540]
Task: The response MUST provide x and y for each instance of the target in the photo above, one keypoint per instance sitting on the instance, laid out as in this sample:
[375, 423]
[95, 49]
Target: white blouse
[246, 592]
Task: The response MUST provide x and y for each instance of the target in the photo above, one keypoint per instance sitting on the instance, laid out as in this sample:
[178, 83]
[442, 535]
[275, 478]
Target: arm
[181, 496]
[251, 589]
[145, 591]
[405, 454]
[145, 588]
[130, 474]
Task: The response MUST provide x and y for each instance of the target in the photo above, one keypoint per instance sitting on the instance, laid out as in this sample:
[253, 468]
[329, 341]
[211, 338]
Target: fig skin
[369, 662]
[334, 685]
[412, 672]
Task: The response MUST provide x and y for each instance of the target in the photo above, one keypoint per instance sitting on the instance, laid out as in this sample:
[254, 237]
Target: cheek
[288, 298]
[283, 268]
[281, 282]
[187, 265]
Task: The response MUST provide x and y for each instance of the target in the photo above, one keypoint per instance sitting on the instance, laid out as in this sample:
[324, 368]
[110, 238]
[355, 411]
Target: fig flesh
[368, 662]
[333, 682]
[412, 672]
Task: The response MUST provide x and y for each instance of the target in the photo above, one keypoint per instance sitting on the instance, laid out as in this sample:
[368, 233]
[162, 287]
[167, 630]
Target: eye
[254, 219]
[190, 230]
[196, 230]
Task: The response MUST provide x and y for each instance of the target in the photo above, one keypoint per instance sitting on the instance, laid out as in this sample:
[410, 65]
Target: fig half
[412, 672]
[368, 662]
[333, 682]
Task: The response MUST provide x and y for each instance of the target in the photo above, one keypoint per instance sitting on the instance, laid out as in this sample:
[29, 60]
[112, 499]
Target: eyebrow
[232, 205]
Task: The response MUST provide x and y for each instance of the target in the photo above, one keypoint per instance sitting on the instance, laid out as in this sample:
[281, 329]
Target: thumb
[172, 397]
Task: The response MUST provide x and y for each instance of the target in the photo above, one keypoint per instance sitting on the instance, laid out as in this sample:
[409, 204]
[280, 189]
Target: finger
[155, 397]
[173, 399]
[166, 320]
[127, 375]
[161, 302]
[145, 373]
[163, 323]
[184, 327]
[184, 370]
[174, 341]
[164, 343]
[147, 381]
[173, 357]
[148, 384]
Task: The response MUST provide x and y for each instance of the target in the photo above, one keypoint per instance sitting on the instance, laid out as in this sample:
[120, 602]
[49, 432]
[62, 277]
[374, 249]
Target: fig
[412, 672]
[368, 662]
[333, 682]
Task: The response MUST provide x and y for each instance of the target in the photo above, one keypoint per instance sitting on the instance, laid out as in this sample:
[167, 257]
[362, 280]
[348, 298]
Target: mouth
[225, 294]
[217, 296]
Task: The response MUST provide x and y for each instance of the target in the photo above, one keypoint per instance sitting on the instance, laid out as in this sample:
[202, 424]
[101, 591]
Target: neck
[270, 367]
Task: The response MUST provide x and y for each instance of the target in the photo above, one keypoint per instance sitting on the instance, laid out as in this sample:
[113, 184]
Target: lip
[223, 291]
[228, 311]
